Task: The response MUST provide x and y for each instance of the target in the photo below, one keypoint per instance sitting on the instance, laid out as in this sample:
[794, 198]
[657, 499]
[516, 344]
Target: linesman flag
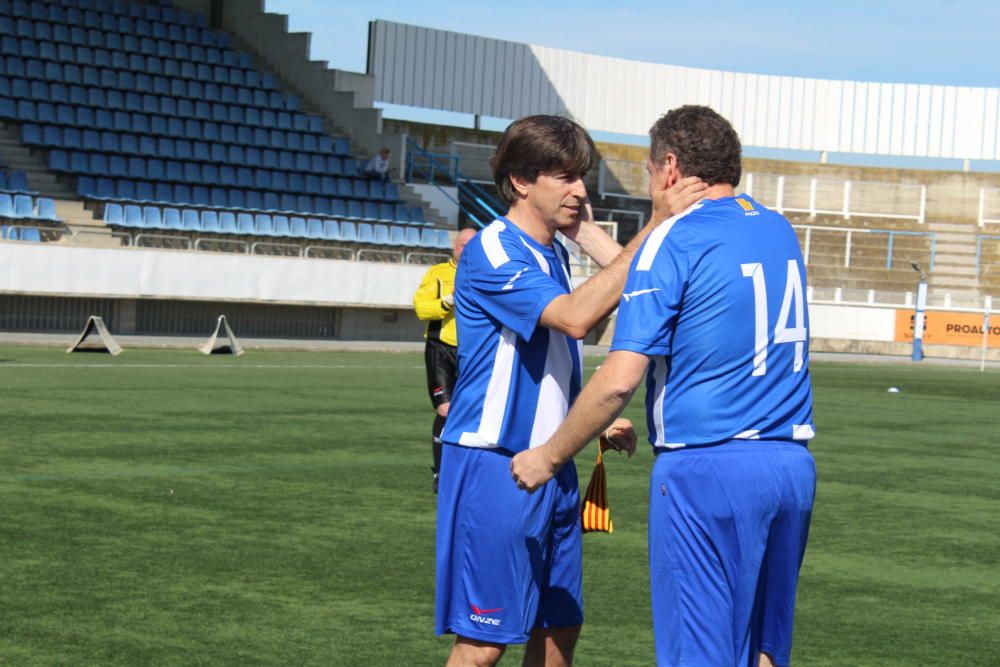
[596, 512]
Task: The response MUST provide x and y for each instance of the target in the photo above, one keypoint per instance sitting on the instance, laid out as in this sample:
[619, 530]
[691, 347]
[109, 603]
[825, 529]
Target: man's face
[557, 198]
[458, 245]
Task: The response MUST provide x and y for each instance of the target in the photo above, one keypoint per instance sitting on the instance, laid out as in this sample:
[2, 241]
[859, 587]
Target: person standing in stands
[714, 318]
[377, 168]
[434, 302]
[509, 564]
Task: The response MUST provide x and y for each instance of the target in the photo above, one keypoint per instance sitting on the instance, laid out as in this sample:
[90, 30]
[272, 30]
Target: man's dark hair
[705, 143]
[537, 145]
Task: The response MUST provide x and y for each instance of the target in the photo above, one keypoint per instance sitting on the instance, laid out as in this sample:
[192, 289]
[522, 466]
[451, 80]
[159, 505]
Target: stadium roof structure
[439, 69]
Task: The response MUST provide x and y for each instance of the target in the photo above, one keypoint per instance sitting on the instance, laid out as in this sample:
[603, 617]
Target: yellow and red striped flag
[596, 512]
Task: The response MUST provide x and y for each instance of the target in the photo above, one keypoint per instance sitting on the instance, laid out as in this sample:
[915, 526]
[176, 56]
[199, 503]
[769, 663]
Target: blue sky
[919, 41]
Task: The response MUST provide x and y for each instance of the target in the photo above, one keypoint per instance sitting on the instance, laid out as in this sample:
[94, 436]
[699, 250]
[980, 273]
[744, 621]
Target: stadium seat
[113, 214]
[262, 224]
[183, 219]
[428, 238]
[227, 223]
[412, 238]
[6, 206]
[24, 207]
[297, 227]
[348, 232]
[280, 226]
[397, 236]
[365, 233]
[133, 216]
[381, 235]
[314, 229]
[31, 234]
[245, 223]
[331, 230]
[152, 217]
[46, 210]
[443, 240]
[172, 219]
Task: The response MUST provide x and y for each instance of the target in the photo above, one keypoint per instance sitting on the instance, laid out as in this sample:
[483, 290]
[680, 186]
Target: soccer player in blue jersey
[509, 563]
[714, 316]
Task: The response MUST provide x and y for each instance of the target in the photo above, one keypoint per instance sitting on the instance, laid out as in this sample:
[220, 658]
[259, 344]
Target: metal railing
[989, 206]
[816, 196]
[849, 233]
[979, 252]
[440, 169]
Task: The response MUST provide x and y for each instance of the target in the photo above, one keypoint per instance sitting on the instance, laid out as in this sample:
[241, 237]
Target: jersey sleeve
[427, 301]
[515, 292]
[651, 300]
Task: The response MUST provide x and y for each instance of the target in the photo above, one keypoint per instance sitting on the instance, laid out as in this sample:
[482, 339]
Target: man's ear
[670, 169]
[520, 184]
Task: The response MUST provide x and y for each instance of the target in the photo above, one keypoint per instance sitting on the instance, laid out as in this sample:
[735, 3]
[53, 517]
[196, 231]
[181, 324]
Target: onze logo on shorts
[480, 615]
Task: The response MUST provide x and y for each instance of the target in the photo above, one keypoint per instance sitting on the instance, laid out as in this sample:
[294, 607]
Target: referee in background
[433, 302]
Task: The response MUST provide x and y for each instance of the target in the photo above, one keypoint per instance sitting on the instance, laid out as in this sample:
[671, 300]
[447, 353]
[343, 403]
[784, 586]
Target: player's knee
[472, 653]
[765, 660]
[443, 409]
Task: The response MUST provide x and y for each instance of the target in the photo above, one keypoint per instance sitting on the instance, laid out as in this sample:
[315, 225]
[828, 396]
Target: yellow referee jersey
[438, 282]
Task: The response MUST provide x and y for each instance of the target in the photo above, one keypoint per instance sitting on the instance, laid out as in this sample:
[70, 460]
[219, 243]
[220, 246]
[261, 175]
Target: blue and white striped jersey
[716, 298]
[516, 380]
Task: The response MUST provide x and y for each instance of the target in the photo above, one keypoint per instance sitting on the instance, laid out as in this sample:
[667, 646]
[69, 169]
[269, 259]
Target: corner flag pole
[918, 320]
[987, 307]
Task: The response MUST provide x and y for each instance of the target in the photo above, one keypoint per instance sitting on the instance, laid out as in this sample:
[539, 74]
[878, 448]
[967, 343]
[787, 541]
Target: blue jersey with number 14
[716, 298]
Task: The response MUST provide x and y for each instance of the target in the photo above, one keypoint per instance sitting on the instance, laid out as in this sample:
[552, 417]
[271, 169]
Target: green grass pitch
[164, 508]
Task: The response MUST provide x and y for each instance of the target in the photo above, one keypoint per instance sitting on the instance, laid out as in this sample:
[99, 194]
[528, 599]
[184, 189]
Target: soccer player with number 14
[713, 315]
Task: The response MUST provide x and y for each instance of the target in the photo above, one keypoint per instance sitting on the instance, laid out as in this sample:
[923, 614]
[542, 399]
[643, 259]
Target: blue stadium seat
[412, 238]
[331, 230]
[58, 161]
[354, 210]
[31, 234]
[6, 206]
[417, 215]
[305, 204]
[444, 240]
[360, 189]
[227, 222]
[218, 196]
[190, 220]
[113, 214]
[24, 207]
[381, 235]
[315, 229]
[281, 226]
[262, 224]
[391, 193]
[375, 191]
[182, 194]
[365, 233]
[402, 213]
[428, 238]
[171, 219]
[369, 211]
[133, 216]
[152, 217]
[210, 221]
[348, 232]
[350, 167]
[17, 181]
[46, 210]
[397, 236]
[245, 223]
[297, 227]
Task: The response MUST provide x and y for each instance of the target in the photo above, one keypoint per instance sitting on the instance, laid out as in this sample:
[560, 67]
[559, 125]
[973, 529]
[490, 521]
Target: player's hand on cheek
[668, 202]
[620, 437]
[531, 468]
[586, 216]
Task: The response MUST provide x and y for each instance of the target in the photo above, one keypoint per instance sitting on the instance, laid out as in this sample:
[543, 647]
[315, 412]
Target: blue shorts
[727, 531]
[507, 561]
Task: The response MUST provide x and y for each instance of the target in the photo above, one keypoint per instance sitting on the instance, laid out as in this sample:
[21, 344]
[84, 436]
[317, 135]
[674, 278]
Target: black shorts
[442, 369]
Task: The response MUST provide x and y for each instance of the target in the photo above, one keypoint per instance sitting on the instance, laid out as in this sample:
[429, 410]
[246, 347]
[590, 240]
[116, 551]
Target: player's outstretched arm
[600, 402]
[577, 313]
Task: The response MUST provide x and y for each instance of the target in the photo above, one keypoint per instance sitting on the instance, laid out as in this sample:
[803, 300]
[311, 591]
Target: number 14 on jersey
[782, 332]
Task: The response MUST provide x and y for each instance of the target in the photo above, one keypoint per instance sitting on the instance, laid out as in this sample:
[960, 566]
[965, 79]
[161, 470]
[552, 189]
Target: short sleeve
[651, 300]
[515, 293]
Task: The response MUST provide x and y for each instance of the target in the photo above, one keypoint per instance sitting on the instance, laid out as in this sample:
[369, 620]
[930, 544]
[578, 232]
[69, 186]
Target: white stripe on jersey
[495, 402]
[656, 237]
[659, 392]
[803, 432]
[553, 391]
[492, 246]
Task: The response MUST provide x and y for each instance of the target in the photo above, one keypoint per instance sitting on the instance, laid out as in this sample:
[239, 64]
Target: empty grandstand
[198, 136]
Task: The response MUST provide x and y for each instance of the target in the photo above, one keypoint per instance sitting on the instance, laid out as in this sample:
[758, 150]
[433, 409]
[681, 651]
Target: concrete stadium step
[19, 157]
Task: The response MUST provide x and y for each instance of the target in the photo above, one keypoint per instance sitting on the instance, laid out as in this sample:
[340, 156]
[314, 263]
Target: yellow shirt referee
[433, 302]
